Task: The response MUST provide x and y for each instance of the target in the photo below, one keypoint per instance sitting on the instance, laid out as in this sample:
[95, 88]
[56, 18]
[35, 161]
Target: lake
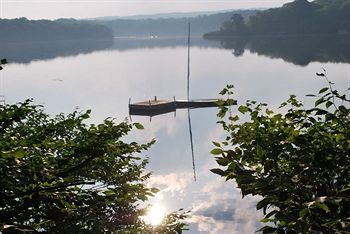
[103, 75]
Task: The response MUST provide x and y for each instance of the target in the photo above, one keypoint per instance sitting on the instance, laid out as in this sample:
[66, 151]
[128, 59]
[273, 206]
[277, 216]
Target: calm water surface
[102, 76]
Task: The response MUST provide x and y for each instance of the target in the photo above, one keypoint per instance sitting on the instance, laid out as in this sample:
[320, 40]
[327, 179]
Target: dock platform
[158, 107]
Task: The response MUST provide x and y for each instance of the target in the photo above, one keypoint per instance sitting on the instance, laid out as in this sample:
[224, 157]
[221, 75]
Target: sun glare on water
[155, 214]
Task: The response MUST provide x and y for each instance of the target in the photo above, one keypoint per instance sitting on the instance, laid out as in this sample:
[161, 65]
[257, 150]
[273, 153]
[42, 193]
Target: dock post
[155, 98]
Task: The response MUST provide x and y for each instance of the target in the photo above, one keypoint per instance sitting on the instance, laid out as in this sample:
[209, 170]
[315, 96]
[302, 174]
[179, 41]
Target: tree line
[170, 26]
[298, 17]
[22, 29]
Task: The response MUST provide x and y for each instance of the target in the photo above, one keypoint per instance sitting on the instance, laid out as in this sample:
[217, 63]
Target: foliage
[234, 26]
[2, 62]
[22, 29]
[298, 17]
[170, 26]
[298, 161]
[60, 175]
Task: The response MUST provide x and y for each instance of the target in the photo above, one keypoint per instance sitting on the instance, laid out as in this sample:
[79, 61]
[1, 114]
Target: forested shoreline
[22, 29]
[170, 26]
[298, 17]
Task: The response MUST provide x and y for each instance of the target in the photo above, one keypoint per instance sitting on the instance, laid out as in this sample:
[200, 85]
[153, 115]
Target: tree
[22, 29]
[2, 62]
[293, 18]
[60, 175]
[298, 161]
[238, 23]
[235, 26]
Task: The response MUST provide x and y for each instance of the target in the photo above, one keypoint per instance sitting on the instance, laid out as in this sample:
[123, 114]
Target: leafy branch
[298, 162]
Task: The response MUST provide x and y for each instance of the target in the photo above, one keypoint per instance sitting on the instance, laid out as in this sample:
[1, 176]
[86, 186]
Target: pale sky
[53, 9]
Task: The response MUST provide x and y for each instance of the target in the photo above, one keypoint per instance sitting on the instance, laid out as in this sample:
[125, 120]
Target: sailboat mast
[188, 60]
[188, 98]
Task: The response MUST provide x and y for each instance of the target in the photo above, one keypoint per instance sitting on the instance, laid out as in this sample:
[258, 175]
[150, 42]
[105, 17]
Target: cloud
[239, 217]
[173, 183]
[218, 212]
[223, 210]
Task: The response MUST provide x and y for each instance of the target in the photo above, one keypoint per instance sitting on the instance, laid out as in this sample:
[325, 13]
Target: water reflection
[300, 50]
[26, 52]
[123, 44]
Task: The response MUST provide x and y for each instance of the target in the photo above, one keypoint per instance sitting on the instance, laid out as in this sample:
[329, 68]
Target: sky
[54, 9]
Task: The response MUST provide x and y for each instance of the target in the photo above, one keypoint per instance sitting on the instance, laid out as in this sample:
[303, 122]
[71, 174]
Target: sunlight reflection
[155, 214]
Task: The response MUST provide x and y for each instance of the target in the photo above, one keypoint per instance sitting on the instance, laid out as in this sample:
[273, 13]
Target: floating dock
[158, 107]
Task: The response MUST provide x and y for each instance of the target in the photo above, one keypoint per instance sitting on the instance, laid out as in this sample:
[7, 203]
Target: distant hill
[22, 29]
[298, 17]
[162, 15]
[170, 24]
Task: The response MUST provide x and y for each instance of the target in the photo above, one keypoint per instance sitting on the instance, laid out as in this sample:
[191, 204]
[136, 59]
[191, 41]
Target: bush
[298, 162]
[59, 175]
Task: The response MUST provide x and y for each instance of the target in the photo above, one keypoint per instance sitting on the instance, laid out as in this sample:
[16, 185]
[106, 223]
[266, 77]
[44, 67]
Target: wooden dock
[158, 107]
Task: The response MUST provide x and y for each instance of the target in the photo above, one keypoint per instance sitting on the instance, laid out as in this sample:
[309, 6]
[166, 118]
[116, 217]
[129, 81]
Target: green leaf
[216, 151]
[343, 109]
[218, 171]
[222, 161]
[139, 126]
[234, 118]
[220, 102]
[319, 101]
[330, 116]
[271, 213]
[224, 91]
[231, 102]
[267, 229]
[268, 165]
[265, 220]
[322, 206]
[262, 204]
[328, 104]
[283, 105]
[323, 90]
[243, 109]
[321, 112]
[154, 190]
[260, 151]
[217, 144]
[303, 212]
